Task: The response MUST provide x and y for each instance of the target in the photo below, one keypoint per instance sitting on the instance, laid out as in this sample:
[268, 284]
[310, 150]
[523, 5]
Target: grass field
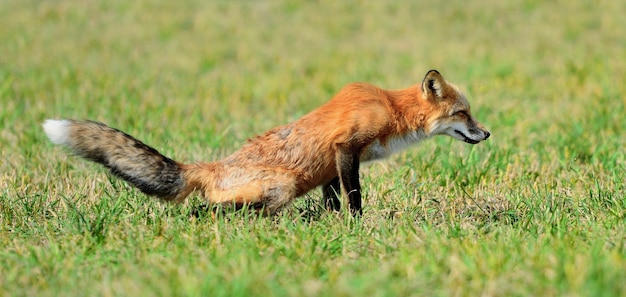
[537, 210]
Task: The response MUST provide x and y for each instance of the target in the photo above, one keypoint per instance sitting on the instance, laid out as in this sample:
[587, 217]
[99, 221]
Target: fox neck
[410, 124]
[411, 111]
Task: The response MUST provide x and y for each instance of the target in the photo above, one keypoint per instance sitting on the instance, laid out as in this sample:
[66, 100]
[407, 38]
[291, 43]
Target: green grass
[537, 210]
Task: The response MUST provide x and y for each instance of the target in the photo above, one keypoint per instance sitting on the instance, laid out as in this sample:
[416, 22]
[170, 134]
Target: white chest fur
[378, 150]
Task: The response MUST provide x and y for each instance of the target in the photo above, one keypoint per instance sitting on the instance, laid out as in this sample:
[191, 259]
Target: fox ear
[433, 84]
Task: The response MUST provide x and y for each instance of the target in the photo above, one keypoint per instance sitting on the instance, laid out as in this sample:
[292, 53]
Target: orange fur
[323, 148]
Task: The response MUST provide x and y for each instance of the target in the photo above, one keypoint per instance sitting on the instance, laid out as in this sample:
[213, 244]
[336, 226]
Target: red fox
[323, 148]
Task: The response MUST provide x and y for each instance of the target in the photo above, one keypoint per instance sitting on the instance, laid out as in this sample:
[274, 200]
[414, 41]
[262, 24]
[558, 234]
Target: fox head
[450, 111]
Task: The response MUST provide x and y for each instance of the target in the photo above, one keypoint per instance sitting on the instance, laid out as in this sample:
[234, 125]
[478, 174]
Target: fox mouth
[467, 139]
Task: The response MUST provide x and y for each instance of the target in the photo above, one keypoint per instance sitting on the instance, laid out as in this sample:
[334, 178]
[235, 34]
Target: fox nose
[487, 134]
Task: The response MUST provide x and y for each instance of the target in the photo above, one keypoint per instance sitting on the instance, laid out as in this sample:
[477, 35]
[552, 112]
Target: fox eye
[460, 113]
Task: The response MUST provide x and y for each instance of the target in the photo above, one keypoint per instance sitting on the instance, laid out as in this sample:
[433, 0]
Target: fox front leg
[330, 191]
[348, 167]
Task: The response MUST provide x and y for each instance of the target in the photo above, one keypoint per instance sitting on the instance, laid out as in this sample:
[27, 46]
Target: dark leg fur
[348, 164]
[330, 192]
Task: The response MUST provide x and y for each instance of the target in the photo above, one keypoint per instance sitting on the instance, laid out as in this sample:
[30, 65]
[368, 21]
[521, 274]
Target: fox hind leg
[265, 196]
[277, 197]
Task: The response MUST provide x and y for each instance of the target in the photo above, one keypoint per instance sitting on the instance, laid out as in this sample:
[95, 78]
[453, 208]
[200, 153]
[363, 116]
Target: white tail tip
[57, 130]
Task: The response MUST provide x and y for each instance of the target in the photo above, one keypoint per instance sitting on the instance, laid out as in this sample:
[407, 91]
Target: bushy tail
[132, 160]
